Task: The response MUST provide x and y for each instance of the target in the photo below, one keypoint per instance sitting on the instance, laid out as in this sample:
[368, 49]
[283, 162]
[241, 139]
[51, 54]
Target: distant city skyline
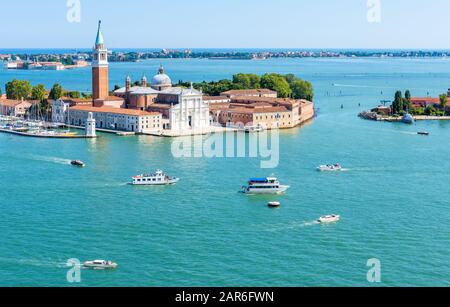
[262, 24]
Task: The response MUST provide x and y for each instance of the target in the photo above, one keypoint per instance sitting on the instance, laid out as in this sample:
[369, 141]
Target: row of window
[149, 180]
[265, 187]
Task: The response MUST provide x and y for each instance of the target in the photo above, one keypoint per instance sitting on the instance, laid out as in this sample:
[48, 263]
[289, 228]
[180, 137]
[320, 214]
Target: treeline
[22, 89]
[287, 86]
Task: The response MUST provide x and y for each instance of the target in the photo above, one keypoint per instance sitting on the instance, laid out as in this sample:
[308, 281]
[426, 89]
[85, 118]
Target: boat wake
[33, 263]
[294, 225]
[51, 160]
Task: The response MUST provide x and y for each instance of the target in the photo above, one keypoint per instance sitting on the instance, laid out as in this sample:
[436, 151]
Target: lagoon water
[393, 199]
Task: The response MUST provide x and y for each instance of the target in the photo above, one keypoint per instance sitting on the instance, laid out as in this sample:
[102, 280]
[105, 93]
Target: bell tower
[100, 68]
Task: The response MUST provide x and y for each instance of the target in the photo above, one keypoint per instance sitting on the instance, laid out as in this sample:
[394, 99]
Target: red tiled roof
[249, 92]
[12, 102]
[209, 98]
[258, 110]
[112, 98]
[113, 110]
[425, 100]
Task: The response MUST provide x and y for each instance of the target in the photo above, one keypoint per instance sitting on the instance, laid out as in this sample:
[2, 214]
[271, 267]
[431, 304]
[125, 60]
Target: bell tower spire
[99, 67]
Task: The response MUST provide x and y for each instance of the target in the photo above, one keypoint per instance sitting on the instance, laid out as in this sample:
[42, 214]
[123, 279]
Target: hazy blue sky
[227, 23]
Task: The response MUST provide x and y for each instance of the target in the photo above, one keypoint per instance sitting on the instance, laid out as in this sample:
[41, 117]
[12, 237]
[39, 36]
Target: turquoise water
[393, 198]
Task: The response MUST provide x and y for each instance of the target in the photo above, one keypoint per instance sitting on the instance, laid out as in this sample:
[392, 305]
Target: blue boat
[408, 119]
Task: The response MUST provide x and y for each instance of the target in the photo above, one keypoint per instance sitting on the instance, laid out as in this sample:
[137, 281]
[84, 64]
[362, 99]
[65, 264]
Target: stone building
[266, 112]
[250, 93]
[17, 108]
[117, 119]
[183, 109]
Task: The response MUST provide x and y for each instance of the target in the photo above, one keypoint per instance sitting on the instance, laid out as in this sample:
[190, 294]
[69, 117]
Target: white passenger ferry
[269, 185]
[100, 265]
[158, 178]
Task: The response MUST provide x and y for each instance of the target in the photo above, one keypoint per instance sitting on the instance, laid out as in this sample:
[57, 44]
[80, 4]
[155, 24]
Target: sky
[394, 24]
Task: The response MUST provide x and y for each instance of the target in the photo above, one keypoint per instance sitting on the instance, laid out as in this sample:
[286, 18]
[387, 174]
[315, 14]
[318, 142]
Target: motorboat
[157, 178]
[330, 168]
[408, 119]
[274, 204]
[78, 163]
[100, 265]
[423, 133]
[253, 129]
[329, 219]
[269, 185]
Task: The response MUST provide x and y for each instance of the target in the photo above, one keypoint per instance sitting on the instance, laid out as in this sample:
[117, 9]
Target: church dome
[161, 80]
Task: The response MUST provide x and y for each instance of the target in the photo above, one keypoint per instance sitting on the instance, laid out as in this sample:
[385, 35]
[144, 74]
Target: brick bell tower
[99, 69]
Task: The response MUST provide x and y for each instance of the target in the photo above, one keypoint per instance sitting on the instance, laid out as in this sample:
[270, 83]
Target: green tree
[276, 83]
[242, 81]
[73, 94]
[290, 78]
[302, 89]
[246, 81]
[38, 92]
[56, 92]
[397, 105]
[407, 101]
[443, 102]
[18, 89]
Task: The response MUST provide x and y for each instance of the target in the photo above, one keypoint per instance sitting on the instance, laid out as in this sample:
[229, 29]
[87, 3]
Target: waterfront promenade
[50, 136]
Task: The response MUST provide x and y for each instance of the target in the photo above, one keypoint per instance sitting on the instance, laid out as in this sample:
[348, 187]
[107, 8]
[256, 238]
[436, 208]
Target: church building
[149, 108]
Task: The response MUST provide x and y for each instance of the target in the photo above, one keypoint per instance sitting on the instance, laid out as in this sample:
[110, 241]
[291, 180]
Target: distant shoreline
[136, 55]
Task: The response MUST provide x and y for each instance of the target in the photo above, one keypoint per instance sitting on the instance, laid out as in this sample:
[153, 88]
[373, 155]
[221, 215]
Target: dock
[116, 132]
[47, 136]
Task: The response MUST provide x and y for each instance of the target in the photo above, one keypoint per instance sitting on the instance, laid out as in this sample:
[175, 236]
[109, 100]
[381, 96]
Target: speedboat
[408, 119]
[158, 178]
[269, 185]
[100, 265]
[330, 168]
[274, 204]
[423, 133]
[77, 163]
[329, 219]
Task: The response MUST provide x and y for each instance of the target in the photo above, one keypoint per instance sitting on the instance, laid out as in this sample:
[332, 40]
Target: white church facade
[183, 108]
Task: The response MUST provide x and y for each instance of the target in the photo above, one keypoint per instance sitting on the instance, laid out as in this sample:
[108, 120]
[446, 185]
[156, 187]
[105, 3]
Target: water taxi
[423, 133]
[269, 185]
[100, 265]
[78, 163]
[330, 168]
[158, 178]
[329, 219]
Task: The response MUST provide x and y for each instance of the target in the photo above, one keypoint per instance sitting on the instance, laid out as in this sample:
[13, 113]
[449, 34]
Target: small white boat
[329, 219]
[100, 265]
[330, 168]
[269, 185]
[158, 178]
[274, 204]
